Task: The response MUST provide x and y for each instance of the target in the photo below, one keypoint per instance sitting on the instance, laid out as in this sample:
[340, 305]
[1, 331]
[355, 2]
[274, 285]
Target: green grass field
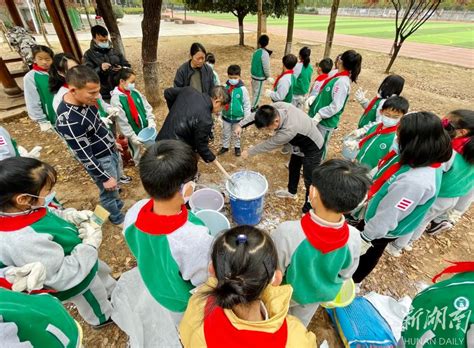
[458, 34]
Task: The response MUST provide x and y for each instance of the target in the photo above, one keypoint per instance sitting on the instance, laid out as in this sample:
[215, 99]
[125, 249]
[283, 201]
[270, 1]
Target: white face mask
[233, 82]
[47, 200]
[389, 122]
[185, 188]
[130, 87]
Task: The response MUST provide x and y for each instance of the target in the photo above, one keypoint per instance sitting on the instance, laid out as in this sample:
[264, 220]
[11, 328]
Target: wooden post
[62, 25]
[9, 84]
[14, 13]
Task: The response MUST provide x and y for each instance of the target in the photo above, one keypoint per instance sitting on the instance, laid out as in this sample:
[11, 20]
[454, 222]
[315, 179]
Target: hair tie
[241, 239]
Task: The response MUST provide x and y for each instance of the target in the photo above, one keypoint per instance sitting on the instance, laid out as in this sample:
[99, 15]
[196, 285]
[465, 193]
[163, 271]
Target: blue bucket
[247, 197]
[147, 136]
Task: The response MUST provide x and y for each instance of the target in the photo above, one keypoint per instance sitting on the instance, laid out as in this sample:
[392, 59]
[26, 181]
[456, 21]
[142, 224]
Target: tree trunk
[331, 28]
[289, 31]
[259, 18]
[396, 50]
[151, 32]
[85, 4]
[240, 18]
[107, 13]
[264, 23]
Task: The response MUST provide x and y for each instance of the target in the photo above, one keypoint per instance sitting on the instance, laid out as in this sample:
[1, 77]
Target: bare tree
[151, 32]
[331, 28]
[259, 18]
[107, 13]
[289, 29]
[85, 4]
[410, 15]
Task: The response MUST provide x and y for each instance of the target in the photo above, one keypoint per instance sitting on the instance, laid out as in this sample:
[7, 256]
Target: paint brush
[100, 216]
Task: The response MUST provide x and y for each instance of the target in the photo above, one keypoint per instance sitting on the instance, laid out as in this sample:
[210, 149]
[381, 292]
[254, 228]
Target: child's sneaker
[409, 247]
[124, 179]
[438, 227]
[393, 251]
[104, 324]
[237, 151]
[222, 151]
[284, 194]
[286, 149]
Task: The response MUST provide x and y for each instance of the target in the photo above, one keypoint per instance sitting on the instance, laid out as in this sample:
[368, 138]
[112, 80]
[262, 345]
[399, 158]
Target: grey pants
[227, 133]
[303, 312]
[257, 90]
[326, 133]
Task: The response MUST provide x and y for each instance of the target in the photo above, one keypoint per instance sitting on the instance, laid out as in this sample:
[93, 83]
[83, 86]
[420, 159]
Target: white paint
[247, 185]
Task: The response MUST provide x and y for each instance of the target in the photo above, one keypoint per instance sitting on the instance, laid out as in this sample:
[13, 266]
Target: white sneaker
[284, 194]
[393, 251]
[409, 247]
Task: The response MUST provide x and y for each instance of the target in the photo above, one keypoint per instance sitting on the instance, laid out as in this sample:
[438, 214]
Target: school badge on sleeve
[3, 142]
[404, 204]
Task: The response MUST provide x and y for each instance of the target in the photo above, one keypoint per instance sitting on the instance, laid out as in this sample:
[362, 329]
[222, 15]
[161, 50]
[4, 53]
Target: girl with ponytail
[302, 73]
[242, 304]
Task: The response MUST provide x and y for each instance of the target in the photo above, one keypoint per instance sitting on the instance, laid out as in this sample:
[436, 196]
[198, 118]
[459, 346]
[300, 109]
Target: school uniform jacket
[260, 65]
[8, 146]
[38, 98]
[401, 203]
[222, 328]
[302, 75]
[239, 106]
[44, 236]
[373, 149]
[172, 252]
[372, 115]
[458, 178]
[316, 256]
[284, 89]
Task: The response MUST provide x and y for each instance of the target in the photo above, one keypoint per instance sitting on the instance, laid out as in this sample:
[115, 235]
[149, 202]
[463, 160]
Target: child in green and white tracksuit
[236, 110]
[317, 255]
[38, 98]
[284, 84]
[170, 243]
[302, 72]
[260, 69]
[135, 112]
[62, 240]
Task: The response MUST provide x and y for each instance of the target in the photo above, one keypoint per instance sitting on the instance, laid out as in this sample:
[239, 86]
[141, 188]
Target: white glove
[454, 216]
[151, 124]
[112, 111]
[268, 93]
[309, 101]
[352, 145]
[107, 121]
[46, 126]
[28, 277]
[364, 246]
[134, 140]
[357, 133]
[90, 234]
[317, 118]
[270, 80]
[76, 217]
[35, 153]
[360, 96]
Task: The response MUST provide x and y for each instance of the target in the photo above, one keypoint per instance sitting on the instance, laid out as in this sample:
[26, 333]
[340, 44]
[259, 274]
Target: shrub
[133, 10]
[118, 12]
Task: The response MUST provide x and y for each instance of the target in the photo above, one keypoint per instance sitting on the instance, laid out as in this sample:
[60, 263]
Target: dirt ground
[429, 86]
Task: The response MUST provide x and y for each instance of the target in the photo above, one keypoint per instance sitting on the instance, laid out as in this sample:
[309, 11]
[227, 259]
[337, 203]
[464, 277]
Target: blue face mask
[47, 200]
[103, 44]
[233, 82]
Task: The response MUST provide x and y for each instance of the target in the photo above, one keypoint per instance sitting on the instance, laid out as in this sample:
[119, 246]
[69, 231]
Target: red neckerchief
[131, 105]
[378, 130]
[321, 77]
[36, 67]
[459, 143]
[151, 223]
[458, 267]
[288, 72]
[371, 104]
[324, 238]
[65, 85]
[219, 332]
[231, 88]
[14, 223]
[344, 73]
[377, 184]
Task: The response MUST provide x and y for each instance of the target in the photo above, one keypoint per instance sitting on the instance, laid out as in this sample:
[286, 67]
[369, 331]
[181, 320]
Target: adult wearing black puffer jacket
[190, 117]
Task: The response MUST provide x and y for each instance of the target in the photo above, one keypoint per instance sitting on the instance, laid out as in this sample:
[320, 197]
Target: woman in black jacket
[195, 72]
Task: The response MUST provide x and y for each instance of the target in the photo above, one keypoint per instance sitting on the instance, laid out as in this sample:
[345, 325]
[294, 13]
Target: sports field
[458, 34]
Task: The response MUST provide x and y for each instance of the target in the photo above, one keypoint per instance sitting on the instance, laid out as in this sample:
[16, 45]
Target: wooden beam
[9, 84]
[14, 13]
[62, 25]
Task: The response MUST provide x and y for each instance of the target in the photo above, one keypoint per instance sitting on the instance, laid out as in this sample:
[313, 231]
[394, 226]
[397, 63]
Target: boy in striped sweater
[320, 251]
[170, 243]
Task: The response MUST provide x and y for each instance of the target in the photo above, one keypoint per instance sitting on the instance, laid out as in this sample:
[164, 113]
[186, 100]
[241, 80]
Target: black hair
[195, 48]
[397, 103]
[263, 41]
[210, 58]
[40, 48]
[81, 75]
[464, 119]
[326, 65]
[289, 61]
[245, 260]
[265, 115]
[305, 54]
[99, 30]
[422, 140]
[220, 93]
[23, 175]
[58, 70]
[165, 166]
[122, 74]
[233, 70]
[392, 84]
[342, 184]
[352, 61]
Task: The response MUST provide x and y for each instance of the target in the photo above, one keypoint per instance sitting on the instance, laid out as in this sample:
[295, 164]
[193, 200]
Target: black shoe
[104, 324]
[438, 227]
[237, 151]
[222, 150]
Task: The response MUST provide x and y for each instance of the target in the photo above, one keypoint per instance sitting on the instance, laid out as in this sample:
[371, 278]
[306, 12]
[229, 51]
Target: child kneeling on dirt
[320, 251]
[170, 243]
[64, 241]
[135, 111]
[235, 111]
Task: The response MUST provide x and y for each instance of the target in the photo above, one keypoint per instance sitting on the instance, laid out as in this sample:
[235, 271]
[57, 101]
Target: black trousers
[309, 162]
[369, 260]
